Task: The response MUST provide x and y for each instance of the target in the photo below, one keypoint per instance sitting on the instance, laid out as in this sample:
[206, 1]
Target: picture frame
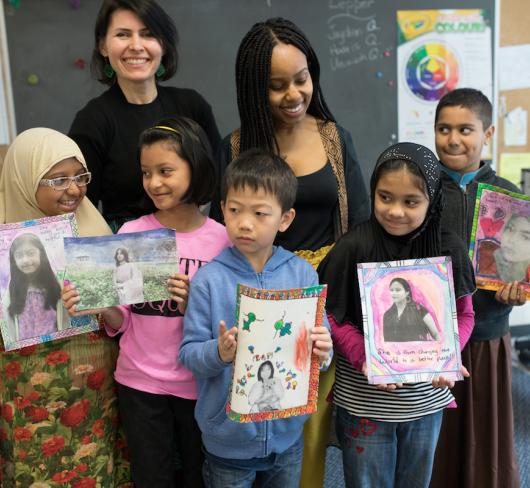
[275, 372]
[409, 320]
[121, 269]
[500, 239]
[32, 266]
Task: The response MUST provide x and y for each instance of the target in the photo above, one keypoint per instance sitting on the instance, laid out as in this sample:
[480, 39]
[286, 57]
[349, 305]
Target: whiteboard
[7, 110]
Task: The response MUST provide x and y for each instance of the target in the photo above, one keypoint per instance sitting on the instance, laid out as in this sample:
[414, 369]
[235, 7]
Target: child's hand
[511, 294]
[382, 386]
[322, 343]
[179, 287]
[226, 342]
[441, 381]
[70, 297]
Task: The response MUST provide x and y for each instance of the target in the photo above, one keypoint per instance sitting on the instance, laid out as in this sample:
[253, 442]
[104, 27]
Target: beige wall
[3, 150]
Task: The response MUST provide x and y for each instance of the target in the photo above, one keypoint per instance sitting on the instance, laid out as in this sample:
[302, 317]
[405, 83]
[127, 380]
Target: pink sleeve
[126, 312]
[466, 318]
[348, 341]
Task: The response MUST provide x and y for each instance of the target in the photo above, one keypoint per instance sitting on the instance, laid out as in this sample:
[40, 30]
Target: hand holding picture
[442, 381]
[226, 342]
[322, 344]
[512, 294]
[178, 286]
[70, 297]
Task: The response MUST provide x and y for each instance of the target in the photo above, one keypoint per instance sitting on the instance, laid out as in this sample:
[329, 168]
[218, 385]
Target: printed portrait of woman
[407, 320]
[266, 393]
[33, 291]
[127, 278]
[512, 259]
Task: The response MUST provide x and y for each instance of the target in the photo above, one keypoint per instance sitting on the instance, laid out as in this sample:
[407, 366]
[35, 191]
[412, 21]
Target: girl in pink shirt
[156, 393]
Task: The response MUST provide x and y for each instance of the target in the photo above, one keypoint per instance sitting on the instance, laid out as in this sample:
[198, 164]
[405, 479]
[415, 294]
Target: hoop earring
[408, 299]
[161, 71]
[108, 71]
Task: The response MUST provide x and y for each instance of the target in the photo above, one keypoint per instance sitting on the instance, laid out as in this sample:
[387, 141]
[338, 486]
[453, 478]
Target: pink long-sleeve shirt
[152, 332]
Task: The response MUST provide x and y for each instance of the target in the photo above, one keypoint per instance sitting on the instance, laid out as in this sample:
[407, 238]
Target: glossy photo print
[409, 320]
[32, 264]
[500, 240]
[121, 269]
[275, 373]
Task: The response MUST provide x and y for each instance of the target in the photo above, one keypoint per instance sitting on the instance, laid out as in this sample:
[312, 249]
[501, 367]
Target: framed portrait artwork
[31, 275]
[409, 320]
[121, 269]
[275, 372]
[500, 239]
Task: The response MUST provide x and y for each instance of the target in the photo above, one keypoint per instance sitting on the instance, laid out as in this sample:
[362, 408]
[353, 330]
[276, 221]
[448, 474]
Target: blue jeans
[275, 471]
[387, 454]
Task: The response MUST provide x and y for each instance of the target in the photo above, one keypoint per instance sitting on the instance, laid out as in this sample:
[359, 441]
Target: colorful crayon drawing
[409, 320]
[32, 264]
[275, 373]
[500, 239]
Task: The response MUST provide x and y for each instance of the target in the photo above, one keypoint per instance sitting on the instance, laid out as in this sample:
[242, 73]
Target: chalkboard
[355, 41]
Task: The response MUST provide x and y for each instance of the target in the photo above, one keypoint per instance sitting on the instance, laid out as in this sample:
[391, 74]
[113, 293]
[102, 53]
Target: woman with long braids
[282, 109]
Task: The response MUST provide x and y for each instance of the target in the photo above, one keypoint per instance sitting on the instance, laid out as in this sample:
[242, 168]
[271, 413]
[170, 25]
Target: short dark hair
[191, 144]
[155, 19]
[260, 369]
[259, 169]
[471, 99]
[253, 68]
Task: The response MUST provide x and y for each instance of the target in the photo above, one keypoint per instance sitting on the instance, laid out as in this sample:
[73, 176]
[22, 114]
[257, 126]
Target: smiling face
[252, 219]
[166, 176]
[400, 205]
[27, 258]
[133, 52]
[57, 202]
[290, 85]
[515, 245]
[459, 138]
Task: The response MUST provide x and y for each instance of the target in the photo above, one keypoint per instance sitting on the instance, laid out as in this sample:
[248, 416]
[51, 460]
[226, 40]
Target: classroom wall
[355, 41]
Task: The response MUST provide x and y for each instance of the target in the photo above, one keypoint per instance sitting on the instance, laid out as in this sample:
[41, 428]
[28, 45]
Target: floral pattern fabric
[59, 418]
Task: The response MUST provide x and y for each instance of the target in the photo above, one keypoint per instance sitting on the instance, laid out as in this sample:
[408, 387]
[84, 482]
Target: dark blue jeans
[387, 454]
[275, 471]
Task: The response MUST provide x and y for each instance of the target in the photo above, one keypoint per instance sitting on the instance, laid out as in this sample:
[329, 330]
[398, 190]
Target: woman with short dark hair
[135, 47]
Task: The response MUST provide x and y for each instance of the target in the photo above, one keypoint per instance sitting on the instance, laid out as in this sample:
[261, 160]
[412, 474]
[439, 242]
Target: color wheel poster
[438, 51]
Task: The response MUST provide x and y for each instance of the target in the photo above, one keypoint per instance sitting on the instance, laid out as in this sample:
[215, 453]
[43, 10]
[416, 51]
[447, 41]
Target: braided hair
[253, 66]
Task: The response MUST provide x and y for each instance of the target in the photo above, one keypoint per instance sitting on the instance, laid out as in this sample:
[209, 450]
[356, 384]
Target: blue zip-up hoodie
[213, 298]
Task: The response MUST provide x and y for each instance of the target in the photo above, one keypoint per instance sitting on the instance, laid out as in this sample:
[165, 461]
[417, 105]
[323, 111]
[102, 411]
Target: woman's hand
[382, 386]
[442, 381]
[511, 294]
[179, 287]
[322, 344]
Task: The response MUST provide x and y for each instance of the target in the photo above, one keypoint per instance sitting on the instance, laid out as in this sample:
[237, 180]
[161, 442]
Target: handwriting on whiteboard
[352, 33]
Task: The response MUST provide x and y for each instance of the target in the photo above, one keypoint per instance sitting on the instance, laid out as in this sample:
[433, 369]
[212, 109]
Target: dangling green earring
[161, 71]
[108, 71]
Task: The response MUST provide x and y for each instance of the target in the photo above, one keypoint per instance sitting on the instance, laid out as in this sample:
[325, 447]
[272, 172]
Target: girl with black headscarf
[389, 432]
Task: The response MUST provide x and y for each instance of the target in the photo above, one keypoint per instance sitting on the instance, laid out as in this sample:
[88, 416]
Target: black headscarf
[369, 242]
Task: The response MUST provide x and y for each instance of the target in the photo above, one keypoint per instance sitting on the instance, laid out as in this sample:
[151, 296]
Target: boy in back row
[257, 198]
[476, 444]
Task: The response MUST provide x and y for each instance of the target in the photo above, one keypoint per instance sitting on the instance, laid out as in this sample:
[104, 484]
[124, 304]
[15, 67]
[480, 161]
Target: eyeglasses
[64, 182]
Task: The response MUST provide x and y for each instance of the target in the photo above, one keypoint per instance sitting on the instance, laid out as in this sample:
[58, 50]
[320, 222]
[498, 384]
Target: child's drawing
[31, 274]
[275, 372]
[409, 315]
[500, 241]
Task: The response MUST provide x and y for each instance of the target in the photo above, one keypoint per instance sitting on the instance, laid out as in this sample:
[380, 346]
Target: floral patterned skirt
[59, 418]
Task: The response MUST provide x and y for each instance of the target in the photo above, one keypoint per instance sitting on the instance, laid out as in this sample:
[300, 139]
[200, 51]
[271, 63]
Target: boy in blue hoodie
[257, 196]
